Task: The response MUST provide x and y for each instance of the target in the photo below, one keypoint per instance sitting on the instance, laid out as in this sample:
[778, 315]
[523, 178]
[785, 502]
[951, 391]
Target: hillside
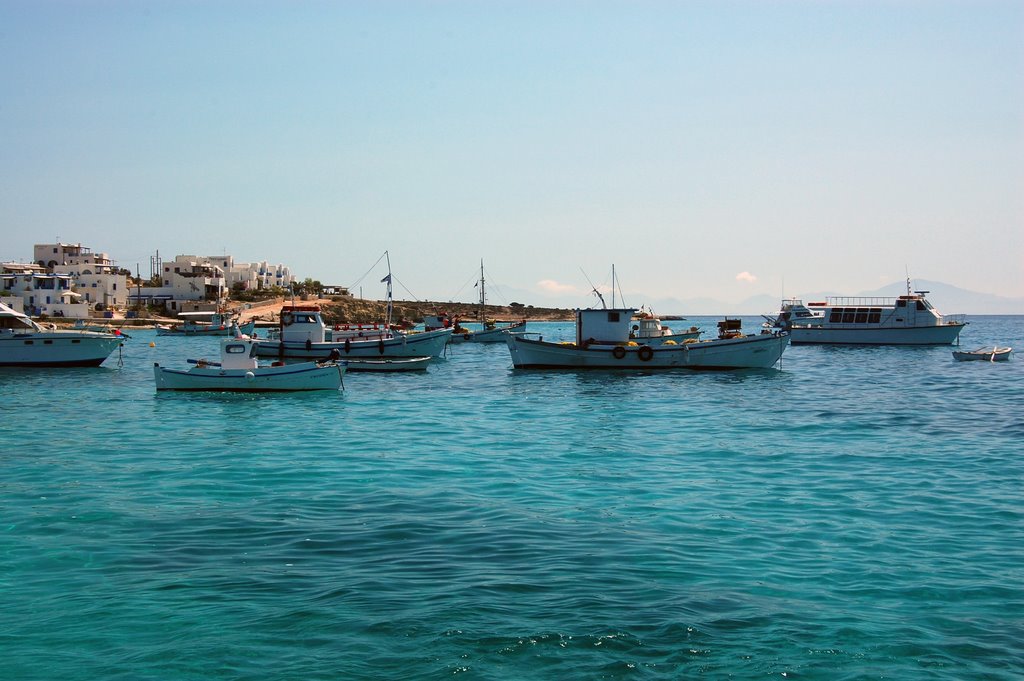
[349, 310]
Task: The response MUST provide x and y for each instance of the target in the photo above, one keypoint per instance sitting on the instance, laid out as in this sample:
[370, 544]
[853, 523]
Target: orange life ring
[644, 353]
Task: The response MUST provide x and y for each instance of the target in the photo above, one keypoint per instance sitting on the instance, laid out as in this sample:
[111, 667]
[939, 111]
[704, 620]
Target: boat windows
[613, 316]
[29, 342]
[47, 342]
[848, 316]
[234, 349]
[920, 306]
[862, 316]
[874, 317]
[901, 303]
[76, 340]
[835, 317]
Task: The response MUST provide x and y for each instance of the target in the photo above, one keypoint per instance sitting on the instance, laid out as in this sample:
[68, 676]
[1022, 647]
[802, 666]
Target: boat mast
[483, 296]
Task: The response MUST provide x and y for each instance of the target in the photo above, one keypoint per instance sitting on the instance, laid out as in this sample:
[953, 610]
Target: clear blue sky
[718, 149]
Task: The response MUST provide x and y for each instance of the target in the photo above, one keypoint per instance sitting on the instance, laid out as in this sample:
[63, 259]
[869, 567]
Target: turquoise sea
[858, 514]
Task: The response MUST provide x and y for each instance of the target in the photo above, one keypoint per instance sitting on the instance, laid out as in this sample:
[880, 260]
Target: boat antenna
[617, 284]
[613, 286]
[594, 289]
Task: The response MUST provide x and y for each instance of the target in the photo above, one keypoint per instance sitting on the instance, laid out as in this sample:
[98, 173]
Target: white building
[190, 278]
[187, 278]
[96, 278]
[255, 276]
[33, 290]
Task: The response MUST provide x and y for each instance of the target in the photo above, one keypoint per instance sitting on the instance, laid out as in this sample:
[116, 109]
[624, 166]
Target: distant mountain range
[946, 298]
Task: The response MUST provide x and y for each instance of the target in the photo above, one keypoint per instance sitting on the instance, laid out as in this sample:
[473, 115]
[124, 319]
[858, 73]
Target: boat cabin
[911, 310]
[301, 323]
[238, 353]
[14, 322]
[608, 327]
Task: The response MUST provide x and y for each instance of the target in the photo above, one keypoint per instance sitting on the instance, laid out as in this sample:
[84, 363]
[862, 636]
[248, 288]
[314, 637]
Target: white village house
[191, 278]
[65, 280]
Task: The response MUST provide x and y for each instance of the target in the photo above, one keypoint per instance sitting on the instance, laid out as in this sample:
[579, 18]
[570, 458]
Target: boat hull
[425, 344]
[488, 335]
[388, 365]
[944, 334]
[285, 378]
[57, 349]
[745, 352]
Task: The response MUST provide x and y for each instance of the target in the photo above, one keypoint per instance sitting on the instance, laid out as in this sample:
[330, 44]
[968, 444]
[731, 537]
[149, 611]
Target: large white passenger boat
[904, 320]
[602, 342]
[25, 343]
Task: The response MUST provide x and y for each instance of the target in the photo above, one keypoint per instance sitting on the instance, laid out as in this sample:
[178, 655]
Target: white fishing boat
[303, 334]
[206, 324]
[239, 371]
[602, 342]
[904, 320]
[992, 354]
[23, 342]
[490, 330]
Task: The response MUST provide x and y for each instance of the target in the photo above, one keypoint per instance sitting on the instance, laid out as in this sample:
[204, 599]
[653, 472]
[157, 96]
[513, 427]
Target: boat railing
[954, 319]
[859, 301]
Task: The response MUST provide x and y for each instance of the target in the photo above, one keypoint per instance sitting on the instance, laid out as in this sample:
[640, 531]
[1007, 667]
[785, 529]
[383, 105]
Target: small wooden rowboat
[993, 354]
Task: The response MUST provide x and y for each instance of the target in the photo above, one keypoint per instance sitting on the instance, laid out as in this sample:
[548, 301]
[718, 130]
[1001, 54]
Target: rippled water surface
[857, 514]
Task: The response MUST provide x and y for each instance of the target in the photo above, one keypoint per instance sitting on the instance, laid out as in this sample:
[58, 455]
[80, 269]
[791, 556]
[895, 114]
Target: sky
[705, 149]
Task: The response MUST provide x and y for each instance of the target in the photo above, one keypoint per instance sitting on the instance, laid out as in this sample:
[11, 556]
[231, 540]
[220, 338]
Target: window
[901, 303]
[848, 316]
[920, 306]
[76, 341]
[835, 317]
[47, 342]
[874, 317]
[862, 316]
[29, 342]
[234, 349]
[613, 316]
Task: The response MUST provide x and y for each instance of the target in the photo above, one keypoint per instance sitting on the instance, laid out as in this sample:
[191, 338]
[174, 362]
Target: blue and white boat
[23, 342]
[303, 334]
[239, 371]
[206, 324]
